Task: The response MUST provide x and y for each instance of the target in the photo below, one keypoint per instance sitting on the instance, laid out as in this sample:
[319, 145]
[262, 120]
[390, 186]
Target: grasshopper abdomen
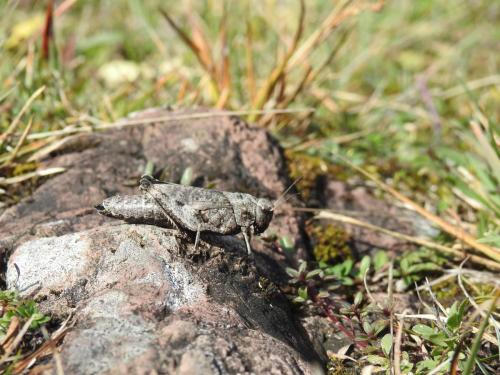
[138, 209]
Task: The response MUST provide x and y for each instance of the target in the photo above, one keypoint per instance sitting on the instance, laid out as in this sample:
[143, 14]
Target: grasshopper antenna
[281, 198]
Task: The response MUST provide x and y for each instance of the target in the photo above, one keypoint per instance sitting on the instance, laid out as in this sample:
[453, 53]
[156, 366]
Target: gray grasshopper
[191, 208]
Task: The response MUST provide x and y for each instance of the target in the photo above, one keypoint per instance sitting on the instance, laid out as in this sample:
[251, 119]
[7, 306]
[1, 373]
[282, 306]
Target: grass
[404, 93]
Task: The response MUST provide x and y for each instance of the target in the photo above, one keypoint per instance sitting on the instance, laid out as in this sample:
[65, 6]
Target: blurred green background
[407, 89]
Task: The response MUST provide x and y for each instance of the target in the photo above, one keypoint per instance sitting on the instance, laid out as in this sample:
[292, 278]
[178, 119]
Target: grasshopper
[191, 208]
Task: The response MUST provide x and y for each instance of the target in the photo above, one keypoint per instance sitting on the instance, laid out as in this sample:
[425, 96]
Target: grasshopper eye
[145, 182]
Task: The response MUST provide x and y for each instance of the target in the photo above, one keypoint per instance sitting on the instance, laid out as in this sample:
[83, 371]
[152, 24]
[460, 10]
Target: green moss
[446, 292]
[330, 243]
[449, 291]
[24, 168]
[309, 168]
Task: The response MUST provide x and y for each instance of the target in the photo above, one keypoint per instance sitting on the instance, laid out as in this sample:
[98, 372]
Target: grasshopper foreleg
[246, 235]
[197, 239]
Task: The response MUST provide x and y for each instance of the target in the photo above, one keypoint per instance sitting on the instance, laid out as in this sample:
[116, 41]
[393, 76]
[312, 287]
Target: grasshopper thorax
[263, 214]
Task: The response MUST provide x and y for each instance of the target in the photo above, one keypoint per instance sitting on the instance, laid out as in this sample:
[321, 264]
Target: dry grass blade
[48, 29]
[21, 140]
[201, 49]
[47, 348]
[308, 77]
[324, 214]
[250, 69]
[368, 292]
[266, 90]
[340, 42]
[17, 340]
[300, 28]
[8, 92]
[27, 149]
[200, 41]
[341, 354]
[397, 345]
[317, 36]
[44, 150]
[493, 80]
[340, 139]
[459, 233]
[440, 367]
[53, 347]
[153, 120]
[224, 74]
[8, 339]
[27, 176]
[298, 55]
[17, 119]
[223, 98]
[286, 100]
[339, 14]
[197, 50]
[64, 7]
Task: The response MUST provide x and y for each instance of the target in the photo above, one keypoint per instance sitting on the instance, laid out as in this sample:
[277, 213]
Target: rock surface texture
[358, 202]
[144, 299]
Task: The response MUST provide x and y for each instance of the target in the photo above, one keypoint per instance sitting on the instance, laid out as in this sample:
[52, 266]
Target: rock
[359, 203]
[221, 151]
[144, 300]
[324, 335]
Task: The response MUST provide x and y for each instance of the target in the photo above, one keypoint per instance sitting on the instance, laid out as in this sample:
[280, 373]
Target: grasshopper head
[264, 214]
[146, 182]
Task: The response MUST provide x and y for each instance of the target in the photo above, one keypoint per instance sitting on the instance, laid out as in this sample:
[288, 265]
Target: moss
[309, 168]
[483, 291]
[336, 366]
[330, 242]
[24, 168]
[446, 292]
[449, 291]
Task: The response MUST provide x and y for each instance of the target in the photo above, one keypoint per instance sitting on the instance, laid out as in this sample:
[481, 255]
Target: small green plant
[15, 315]
[384, 363]
[412, 266]
[337, 293]
[12, 306]
[320, 288]
[442, 339]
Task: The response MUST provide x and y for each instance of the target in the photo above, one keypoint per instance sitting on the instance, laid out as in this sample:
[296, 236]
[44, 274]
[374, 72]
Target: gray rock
[142, 305]
[143, 299]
